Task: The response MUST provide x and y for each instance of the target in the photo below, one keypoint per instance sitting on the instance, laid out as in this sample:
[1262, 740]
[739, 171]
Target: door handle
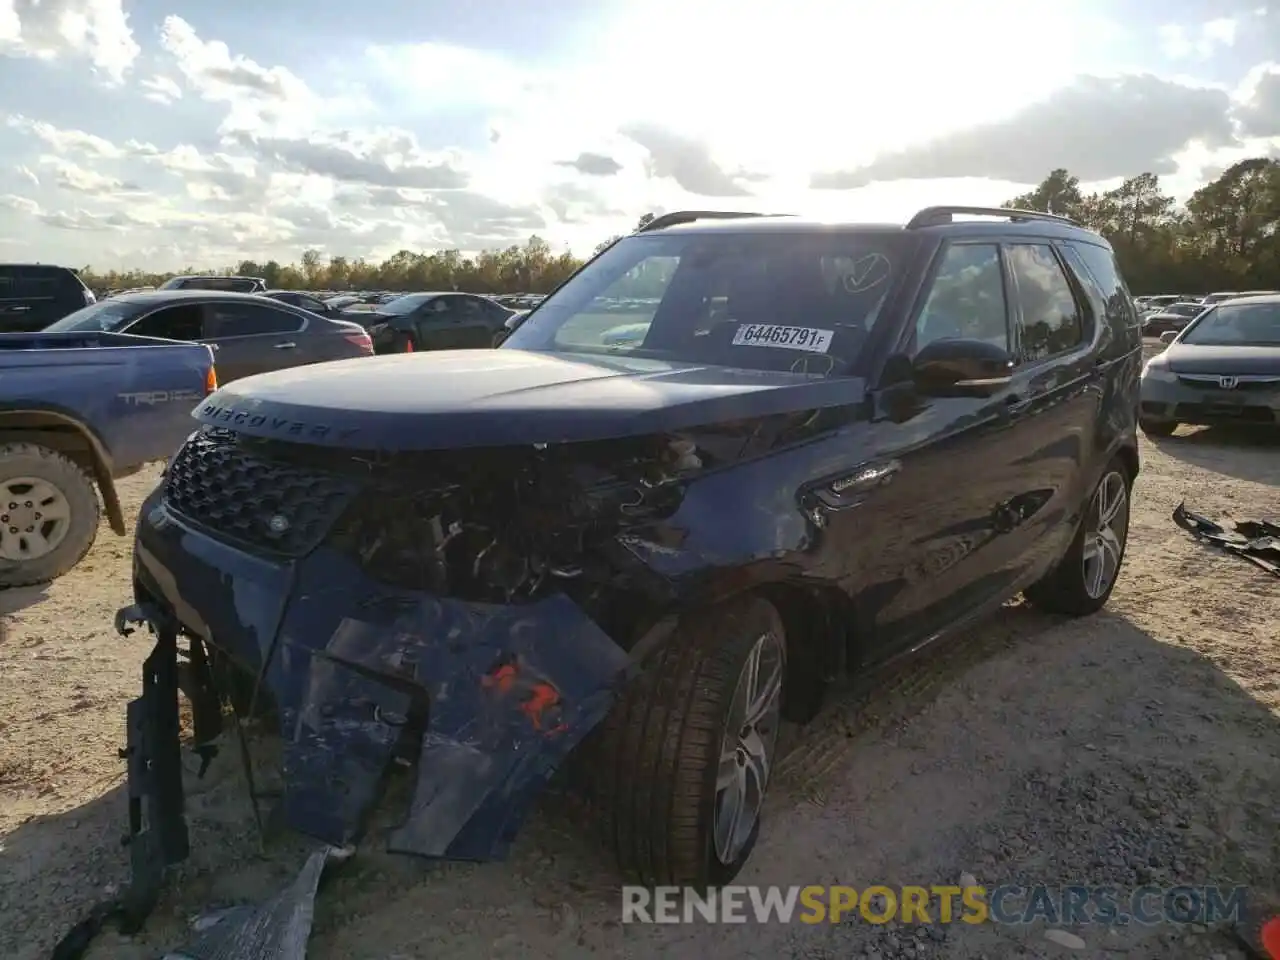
[1016, 403]
[19, 309]
[287, 345]
[849, 490]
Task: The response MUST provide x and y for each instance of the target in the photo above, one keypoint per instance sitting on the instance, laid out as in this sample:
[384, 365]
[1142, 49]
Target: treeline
[1225, 237]
[531, 268]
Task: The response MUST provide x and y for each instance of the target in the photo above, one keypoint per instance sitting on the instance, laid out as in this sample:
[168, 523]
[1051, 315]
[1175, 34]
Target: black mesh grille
[279, 507]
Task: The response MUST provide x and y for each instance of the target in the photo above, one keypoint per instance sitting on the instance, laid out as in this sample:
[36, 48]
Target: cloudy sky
[150, 133]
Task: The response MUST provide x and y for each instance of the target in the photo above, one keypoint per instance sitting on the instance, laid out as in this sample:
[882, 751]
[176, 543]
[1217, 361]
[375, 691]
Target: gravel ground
[1137, 746]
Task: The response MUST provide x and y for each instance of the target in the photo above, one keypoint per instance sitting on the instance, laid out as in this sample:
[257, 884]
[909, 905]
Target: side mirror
[512, 323]
[1169, 336]
[950, 368]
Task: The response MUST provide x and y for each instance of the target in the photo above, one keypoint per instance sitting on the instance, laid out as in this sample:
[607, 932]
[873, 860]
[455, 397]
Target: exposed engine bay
[501, 525]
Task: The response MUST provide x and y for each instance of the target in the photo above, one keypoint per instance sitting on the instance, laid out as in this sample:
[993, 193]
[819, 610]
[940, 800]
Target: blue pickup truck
[77, 412]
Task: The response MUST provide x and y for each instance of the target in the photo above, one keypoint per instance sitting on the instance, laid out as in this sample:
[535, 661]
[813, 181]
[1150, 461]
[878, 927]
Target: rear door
[1062, 346]
[433, 325]
[473, 322]
[251, 338]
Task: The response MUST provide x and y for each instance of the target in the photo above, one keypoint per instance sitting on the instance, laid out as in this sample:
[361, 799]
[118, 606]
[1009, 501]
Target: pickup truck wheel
[687, 750]
[1083, 580]
[48, 514]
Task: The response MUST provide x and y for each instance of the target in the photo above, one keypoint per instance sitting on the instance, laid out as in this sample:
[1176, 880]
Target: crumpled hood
[473, 398]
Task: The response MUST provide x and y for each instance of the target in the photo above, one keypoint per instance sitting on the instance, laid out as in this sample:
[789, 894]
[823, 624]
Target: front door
[953, 482]
[250, 338]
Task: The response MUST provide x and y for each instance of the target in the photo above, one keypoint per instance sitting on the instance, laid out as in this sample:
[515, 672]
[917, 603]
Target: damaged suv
[731, 458]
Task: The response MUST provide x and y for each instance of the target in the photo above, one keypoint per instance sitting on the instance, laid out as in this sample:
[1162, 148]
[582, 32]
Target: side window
[1105, 273]
[966, 300]
[248, 319]
[183, 322]
[469, 309]
[37, 287]
[1051, 320]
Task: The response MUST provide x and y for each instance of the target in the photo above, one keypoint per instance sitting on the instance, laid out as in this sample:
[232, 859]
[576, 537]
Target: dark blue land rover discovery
[731, 457]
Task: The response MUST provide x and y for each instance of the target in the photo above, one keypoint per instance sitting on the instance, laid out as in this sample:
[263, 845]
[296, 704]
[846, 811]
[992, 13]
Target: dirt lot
[1138, 746]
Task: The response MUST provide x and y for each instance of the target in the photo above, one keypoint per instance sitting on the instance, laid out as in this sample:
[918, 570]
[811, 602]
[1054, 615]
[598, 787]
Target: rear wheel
[1082, 581]
[1157, 428]
[48, 514]
[685, 755]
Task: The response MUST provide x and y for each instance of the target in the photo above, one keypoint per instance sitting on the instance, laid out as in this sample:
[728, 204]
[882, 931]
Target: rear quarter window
[1098, 272]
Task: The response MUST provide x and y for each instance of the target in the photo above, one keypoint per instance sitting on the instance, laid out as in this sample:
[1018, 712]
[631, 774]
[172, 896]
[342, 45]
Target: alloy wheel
[746, 752]
[1105, 535]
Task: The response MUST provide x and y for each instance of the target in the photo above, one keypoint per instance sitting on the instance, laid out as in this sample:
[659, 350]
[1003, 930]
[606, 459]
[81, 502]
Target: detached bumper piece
[157, 835]
[1257, 541]
[276, 930]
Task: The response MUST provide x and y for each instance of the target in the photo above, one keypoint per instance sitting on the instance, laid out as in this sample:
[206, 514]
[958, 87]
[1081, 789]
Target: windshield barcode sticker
[809, 339]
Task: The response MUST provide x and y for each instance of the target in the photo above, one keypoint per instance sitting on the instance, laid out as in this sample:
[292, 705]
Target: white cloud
[71, 176]
[216, 74]
[21, 204]
[48, 29]
[1076, 128]
[64, 140]
[1179, 43]
[26, 173]
[162, 90]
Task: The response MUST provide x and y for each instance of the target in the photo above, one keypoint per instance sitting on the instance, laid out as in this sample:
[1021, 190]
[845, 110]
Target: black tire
[654, 768]
[21, 460]
[1066, 589]
[1157, 428]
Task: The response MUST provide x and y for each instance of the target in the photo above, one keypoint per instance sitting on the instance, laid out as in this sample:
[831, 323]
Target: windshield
[1237, 324]
[105, 315]
[401, 306]
[776, 301]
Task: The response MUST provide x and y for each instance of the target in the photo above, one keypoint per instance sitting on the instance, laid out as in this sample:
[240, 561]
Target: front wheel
[1082, 581]
[48, 514]
[685, 755]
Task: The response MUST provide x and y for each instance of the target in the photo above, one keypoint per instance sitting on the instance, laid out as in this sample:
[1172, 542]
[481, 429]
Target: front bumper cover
[506, 692]
[1169, 398]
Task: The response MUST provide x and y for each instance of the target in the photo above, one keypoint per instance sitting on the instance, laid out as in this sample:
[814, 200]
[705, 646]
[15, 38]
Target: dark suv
[34, 295]
[729, 458]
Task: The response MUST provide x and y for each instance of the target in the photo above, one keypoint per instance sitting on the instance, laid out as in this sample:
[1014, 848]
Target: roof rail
[689, 216]
[933, 216]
